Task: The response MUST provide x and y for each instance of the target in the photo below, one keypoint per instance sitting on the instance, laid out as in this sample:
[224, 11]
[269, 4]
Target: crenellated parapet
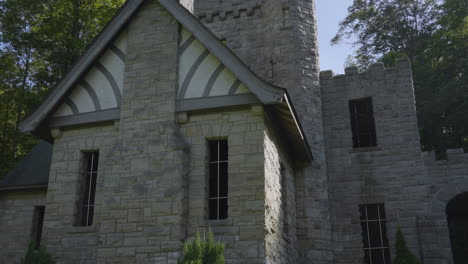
[391, 92]
[376, 70]
[230, 12]
[454, 157]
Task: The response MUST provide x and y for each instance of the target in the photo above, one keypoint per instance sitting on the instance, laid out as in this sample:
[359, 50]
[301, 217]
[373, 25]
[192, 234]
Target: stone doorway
[457, 219]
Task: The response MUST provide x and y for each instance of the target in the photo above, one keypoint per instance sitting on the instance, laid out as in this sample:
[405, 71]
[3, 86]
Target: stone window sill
[368, 149]
[223, 222]
[82, 229]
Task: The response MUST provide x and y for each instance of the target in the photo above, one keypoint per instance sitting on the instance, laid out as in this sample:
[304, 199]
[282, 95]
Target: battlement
[402, 67]
[393, 105]
[231, 12]
[392, 85]
[454, 156]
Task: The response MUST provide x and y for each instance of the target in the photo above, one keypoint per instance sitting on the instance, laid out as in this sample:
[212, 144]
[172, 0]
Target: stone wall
[239, 26]
[243, 231]
[140, 197]
[392, 173]
[151, 183]
[153, 157]
[446, 179]
[67, 241]
[152, 178]
[277, 40]
[16, 222]
[280, 203]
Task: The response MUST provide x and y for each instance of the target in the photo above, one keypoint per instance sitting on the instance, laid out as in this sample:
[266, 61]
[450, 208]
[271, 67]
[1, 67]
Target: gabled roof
[266, 93]
[32, 171]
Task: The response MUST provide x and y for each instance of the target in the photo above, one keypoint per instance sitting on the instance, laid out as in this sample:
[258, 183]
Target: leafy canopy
[39, 42]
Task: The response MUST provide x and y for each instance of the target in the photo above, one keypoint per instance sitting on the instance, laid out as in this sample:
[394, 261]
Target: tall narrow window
[218, 180]
[362, 123]
[374, 234]
[38, 221]
[89, 190]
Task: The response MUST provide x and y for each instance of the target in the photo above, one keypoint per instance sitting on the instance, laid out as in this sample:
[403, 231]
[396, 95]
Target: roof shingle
[32, 171]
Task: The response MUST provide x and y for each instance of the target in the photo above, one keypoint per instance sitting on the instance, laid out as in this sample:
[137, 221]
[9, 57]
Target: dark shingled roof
[32, 171]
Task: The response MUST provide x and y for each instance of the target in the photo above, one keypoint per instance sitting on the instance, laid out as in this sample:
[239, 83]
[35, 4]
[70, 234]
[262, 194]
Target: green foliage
[403, 255]
[389, 59]
[39, 41]
[36, 256]
[63, 29]
[432, 34]
[203, 251]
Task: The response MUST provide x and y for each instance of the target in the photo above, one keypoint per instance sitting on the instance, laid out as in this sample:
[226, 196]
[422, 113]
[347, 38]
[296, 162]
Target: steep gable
[195, 64]
[95, 81]
[101, 87]
[204, 81]
[210, 76]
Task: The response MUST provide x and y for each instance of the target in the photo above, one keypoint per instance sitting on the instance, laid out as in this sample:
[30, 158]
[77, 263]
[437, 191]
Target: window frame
[221, 212]
[384, 246]
[88, 190]
[37, 225]
[355, 118]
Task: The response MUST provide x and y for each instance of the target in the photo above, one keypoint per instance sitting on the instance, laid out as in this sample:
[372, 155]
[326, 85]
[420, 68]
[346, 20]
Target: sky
[329, 14]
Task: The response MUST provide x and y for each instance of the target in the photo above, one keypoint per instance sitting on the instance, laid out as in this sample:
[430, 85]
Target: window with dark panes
[38, 221]
[374, 234]
[218, 180]
[362, 123]
[89, 190]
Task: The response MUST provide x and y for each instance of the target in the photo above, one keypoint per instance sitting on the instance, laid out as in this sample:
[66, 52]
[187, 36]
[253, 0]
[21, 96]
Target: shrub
[203, 251]
[403, 254]
[36, 256]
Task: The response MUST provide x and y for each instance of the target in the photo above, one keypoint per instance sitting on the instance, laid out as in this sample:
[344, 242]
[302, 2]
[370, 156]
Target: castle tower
[277, 39]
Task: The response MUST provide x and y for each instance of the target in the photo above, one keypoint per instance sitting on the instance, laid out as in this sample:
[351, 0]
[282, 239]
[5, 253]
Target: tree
[203, 251]
[442, 81]
[432, 34]
[16, 52]
[402, 253]
[382, 26]
[39, 42]
[63, 30]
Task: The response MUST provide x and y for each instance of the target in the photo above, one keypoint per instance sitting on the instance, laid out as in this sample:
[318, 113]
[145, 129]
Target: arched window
[457, 219]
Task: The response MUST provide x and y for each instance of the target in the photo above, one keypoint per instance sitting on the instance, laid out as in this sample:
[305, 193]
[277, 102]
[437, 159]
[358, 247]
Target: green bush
[203, 251]
[36, 256]
[403, 254]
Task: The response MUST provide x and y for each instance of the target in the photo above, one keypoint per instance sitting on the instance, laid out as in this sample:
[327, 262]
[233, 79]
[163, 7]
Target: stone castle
[213, 114]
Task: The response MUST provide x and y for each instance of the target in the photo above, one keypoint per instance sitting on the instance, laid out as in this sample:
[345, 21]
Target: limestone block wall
[240, 26]
[243, 231]
[16, 222]
[280, 201]
[65, 239]
[392, 173]
[446, 179]
[148, 197]
[277, 39]
[140, 197]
